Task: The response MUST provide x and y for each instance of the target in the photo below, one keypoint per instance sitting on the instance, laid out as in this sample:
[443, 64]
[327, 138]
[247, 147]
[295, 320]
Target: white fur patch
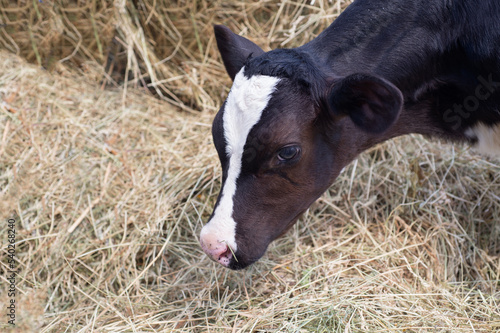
[244, 106]
[488, 138]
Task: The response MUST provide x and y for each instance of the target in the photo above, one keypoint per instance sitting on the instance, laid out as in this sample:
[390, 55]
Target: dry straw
[110, 184]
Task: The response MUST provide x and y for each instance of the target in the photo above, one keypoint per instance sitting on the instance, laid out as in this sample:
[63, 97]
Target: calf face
[284, 133]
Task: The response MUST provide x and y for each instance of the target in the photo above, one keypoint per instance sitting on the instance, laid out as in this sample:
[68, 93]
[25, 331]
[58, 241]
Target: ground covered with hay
[108, 169]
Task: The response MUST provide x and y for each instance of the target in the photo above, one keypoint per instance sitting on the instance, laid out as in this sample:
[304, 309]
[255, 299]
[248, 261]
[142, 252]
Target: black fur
[384, 68]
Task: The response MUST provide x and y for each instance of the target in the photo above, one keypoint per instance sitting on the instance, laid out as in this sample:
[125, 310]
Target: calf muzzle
[216, 249]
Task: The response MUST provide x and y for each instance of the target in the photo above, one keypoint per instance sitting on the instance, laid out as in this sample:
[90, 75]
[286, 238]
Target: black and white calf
[295, 117]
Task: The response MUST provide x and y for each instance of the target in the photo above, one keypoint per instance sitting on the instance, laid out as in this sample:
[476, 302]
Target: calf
[294, 118]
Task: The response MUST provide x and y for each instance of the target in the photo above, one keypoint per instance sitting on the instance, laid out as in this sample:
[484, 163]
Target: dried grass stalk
[110, 187]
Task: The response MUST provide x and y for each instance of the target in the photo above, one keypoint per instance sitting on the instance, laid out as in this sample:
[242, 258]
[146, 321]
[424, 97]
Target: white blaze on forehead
[488, 138]
[244, 106]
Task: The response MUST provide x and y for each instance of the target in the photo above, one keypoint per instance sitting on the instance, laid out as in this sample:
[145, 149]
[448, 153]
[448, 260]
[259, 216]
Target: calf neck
[294, 118]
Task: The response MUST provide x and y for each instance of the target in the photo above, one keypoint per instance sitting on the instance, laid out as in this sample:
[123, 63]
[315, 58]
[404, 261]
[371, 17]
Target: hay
[110, 186]
[164, 46]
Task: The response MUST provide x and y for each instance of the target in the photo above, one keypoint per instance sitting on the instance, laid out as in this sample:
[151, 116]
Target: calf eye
[288, 153]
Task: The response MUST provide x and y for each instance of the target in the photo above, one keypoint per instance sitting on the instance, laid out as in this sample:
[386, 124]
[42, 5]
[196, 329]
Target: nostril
[219, 249]
[226, 253]
[213, 247]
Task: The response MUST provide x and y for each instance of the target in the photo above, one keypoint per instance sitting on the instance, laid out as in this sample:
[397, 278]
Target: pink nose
[216, 249]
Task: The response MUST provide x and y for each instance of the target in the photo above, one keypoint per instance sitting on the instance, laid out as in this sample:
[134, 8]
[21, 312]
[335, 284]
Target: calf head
[286, 129]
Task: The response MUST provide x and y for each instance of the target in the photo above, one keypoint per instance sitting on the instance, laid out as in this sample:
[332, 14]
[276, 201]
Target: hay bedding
[110, 186]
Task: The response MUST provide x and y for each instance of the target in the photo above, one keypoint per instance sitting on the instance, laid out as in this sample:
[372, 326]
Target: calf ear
[234, 49]
[371, 102]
